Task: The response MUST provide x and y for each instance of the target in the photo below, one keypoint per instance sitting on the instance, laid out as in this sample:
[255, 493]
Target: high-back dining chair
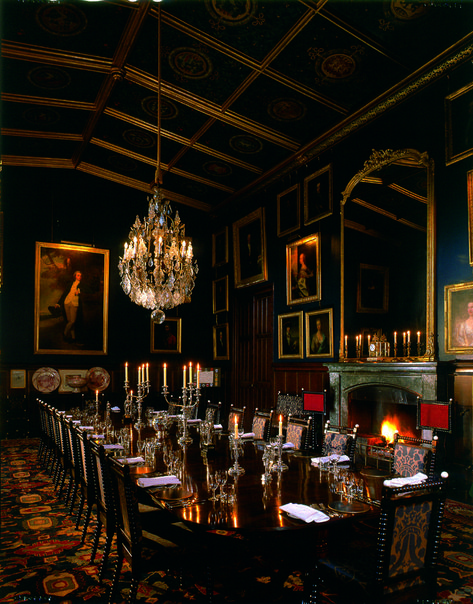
[412, 455]
[401, 561]
[212, 412]
[238, 414]
[298, 431]
[340, 440]
[88, 496]
[261, 424]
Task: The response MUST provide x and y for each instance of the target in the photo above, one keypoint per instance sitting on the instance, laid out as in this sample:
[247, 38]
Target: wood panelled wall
[291, 379]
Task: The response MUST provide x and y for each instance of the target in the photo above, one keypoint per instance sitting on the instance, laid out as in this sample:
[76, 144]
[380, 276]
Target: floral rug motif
[42, 559]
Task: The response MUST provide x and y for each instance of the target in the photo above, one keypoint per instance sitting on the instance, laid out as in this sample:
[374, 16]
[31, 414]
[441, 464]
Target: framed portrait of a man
[71, 299]
[319, 334]
[290, 335]
[459, 318]
[220, 295]
[166, 336]
[221, 348]
[249, 249]
[318, 195]
[303, 270]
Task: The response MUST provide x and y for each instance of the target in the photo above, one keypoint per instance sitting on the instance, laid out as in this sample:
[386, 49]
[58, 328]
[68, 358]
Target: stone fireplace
[366, 393]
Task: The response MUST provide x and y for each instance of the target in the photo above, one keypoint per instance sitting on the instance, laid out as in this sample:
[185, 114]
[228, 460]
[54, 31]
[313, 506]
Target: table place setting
[406, 480]
[131, 461]
[334, 458]
[304, 512]
[158, 481]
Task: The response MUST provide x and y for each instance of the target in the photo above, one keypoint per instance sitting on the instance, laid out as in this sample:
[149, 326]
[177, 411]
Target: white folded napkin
[218, 426]
[248, 435]
[86, 427]
[76, 421]
[156, 481]
[132, 460]
[115, 409]
[194, 421]
[288, 446]
[98, 436]
[304, 512]
[113, 446]
[400, 482]
[338, 458]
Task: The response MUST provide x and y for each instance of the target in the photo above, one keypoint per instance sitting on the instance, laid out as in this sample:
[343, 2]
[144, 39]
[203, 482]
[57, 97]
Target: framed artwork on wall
[220, 295]
[372, 289]
[221, 347]
[290, 335]
[166, 336]
[71, 299]
[303, 270]
[470, 213]
[458, 302]
[249, 249]
[288, 211]
[66, 375]
[319, 333]
[220, 247]
[318, 196]
[459, 124]
[18, 378]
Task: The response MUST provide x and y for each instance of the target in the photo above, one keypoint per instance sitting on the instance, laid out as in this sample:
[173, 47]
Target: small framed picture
[459, 318]
[71, 380]
[249, 249]
[319, 333]
[220, 295]
[288, 211]
[166, 336]
[220, 247]
[372, 289]
[318, 196]
[221, 342]
[470, 213]
[303, 270]
[459, 131]
[18, 378]
[290, 335]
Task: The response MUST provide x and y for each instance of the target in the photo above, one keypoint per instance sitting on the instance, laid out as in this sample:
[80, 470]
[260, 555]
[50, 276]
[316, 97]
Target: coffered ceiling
[249, 88]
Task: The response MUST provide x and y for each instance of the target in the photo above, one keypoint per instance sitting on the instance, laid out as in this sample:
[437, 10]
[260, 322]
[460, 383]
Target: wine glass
[221, 477]
[213, 486]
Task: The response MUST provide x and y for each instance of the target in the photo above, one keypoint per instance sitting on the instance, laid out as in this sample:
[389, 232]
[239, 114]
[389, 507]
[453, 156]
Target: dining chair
[88, 497]
[64, 457]
[147, 548]
[212, 412]
[45, 445]
[238, 414]
[298, 431]
[400, 561]
[412, 455]
[340, 440]
[261, 424]
[76, 464]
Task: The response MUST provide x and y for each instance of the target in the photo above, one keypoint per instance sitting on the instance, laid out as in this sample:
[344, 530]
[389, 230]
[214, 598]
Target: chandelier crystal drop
[158, 268]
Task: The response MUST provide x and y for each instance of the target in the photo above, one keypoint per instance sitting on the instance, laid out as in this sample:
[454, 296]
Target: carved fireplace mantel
[417, 378]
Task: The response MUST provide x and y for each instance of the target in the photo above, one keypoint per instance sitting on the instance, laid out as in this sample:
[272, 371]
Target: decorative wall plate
[98, 378]
[46, 379]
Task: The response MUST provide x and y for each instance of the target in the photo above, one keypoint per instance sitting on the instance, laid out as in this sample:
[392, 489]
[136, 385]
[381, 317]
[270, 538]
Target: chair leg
[106, 551]
[95, 542]
[116, 579]
[86, 523]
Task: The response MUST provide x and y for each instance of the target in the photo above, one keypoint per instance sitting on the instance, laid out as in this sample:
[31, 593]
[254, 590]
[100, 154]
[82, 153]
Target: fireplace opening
[382, 410]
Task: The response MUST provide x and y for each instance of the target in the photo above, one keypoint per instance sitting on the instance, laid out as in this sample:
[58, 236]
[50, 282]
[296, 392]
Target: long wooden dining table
[254, 504]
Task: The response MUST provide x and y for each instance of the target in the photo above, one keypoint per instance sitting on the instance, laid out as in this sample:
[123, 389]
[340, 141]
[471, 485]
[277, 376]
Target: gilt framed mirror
[388, 220]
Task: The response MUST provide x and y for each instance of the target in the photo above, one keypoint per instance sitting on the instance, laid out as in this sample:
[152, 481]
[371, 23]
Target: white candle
[236, 427]
[184, 371]
[369, 340]
[395, 338]
[418, 337]
[357, 341]
[198, 376]
[126, 372]
[139, 375]
[97, 396]
[346, 341]
[403, 337]
[408, 337]
[190, 373]
[164, 374]
[147, 372]
[280, 425]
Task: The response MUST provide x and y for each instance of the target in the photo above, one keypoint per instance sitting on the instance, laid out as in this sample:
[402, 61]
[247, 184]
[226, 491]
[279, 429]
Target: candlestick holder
[236, 469]
[133, 402]
[395, 350]
[404, 350]
[358, 352]
[190, 400]
[279, 465]
[418, 349]
[408, 349]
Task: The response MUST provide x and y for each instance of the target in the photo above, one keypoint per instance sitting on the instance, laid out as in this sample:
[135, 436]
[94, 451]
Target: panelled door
[253, 351]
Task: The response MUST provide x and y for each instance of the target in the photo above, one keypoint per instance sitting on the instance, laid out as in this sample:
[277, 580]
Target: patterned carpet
[42, 559]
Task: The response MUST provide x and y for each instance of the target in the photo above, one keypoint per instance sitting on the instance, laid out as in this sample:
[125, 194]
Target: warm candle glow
[164, 374]
[184, 371]
[126, 372]
[280, 425]
[139, 375]
[395, 338]
[403, 337]
[236, 427]
[418, 337]
[190, 373]
[97, 396]
[198, 376]
[147, 372]
[346, 341]
[408, 337]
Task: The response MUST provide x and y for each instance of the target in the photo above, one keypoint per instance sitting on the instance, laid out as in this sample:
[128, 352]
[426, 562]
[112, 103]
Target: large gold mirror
[388, 259]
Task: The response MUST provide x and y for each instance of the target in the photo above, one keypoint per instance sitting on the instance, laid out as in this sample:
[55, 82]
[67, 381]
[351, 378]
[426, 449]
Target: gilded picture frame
[318, 195]
[458, 124]
[221, 344]
[458, 301]
[71, 299]
[290, 335]
[64, 374]
[249, 249]
[319, 334]
[166, 337]
[220, 295]
[17, 379]
[303, 274]
[220, 247]
[288, 211]
[372, 292]
[470, 213]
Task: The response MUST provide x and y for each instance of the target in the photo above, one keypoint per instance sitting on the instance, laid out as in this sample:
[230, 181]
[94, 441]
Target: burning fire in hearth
[392, 424]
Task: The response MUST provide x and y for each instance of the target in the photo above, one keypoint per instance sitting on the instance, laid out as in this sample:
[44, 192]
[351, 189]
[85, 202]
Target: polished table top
[256, 503]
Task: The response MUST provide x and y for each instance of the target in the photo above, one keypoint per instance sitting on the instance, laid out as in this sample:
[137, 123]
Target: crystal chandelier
[158, 269]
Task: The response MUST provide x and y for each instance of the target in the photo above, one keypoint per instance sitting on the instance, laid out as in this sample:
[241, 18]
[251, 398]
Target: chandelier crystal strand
[158, 269]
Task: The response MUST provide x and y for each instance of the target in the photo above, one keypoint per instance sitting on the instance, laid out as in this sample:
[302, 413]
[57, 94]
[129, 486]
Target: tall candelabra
[134, 402]
[190, 400]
